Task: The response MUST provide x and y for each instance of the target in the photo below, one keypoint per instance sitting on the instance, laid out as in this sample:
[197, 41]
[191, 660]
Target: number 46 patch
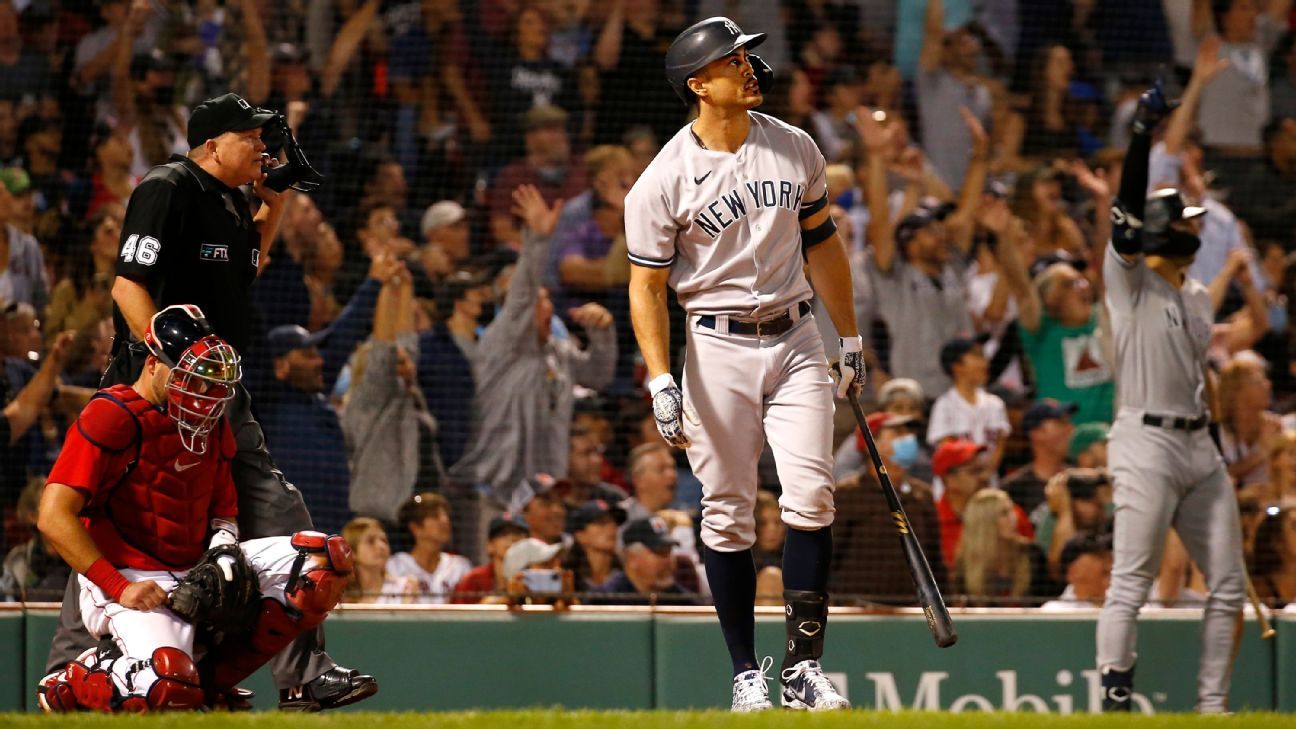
[141, 250]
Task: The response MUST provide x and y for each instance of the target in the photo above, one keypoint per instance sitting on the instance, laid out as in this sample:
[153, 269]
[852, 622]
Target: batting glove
[1152, 108]
[848, 370]
[668, 410]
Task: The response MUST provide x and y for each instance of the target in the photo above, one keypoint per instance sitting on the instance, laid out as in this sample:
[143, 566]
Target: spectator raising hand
[539, 217]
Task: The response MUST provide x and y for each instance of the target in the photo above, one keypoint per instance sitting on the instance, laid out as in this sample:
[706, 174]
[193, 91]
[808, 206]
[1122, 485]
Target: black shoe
[334, 688]
[1117, 690]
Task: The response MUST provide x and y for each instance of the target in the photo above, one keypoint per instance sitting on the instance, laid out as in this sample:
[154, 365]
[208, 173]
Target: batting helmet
[1163, 209]
[703, 42]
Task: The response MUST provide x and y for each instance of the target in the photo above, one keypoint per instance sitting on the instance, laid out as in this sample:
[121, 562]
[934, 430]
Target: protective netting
[1000, 127]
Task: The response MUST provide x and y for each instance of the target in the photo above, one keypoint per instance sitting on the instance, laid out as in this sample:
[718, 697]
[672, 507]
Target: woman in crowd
[84, 295]
[1273, 566]
[1247, 427]
[1278, 490]
[370, 582]
[1037, 200]
[995, 565]
[592, 557]
[391, 437]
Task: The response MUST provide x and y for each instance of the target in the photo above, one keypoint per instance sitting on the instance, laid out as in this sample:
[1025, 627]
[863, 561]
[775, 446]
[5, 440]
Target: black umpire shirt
[189, 239]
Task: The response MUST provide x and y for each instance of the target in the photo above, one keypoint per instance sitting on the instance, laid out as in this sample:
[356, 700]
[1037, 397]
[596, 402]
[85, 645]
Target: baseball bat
[933, 605]
[1266, 628]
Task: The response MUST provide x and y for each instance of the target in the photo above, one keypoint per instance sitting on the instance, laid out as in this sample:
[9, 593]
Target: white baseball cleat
[806, 688]
[751, 689]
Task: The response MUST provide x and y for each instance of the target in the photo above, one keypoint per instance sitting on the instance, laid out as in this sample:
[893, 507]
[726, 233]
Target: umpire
[189, 237]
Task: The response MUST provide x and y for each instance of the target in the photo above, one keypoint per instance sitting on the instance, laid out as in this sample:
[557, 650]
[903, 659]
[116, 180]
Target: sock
[807, 556]
[732, 576]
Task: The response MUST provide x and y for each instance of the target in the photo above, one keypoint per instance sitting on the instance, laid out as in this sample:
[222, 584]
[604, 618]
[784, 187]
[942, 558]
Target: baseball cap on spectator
[954, 453]
[532, 487]
[1082, 544]
[953, 350]
[652, 533]
[441, 214]
[841, 76]
[1085, 486]
[997, 189]
[154, 60]
[286, 338]
[911, 224]
[1085, 435]
[224, 113]
[901, 387]
[1043, 262]
[1046, 409]
[527, 552]
[287, 54]
[15, 180]
[882, 419]
[544, 116]
[876, 422]
[590, 512]
[506, 522]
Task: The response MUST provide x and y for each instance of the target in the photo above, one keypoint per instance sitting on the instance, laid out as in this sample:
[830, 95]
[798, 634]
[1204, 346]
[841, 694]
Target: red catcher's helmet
[204, 371]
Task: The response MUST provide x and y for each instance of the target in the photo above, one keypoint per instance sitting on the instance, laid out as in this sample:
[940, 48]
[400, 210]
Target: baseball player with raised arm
[142, 504]
[727, 214]
[1167, 471]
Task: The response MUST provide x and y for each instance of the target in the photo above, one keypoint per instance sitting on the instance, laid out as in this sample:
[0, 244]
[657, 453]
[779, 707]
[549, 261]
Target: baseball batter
[141, 490]
[1166, 469]
[727, 214]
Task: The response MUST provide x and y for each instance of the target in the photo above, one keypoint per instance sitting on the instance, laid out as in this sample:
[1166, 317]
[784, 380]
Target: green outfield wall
[434, 659]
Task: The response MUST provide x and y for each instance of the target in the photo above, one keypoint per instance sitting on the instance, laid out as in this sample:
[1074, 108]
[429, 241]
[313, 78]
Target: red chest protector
[158, 511]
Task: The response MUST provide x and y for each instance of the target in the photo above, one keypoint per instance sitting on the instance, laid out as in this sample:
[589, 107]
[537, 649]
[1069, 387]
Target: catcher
[141, 503]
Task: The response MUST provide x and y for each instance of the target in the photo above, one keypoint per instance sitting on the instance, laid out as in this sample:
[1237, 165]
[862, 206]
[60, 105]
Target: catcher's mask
[204, 371]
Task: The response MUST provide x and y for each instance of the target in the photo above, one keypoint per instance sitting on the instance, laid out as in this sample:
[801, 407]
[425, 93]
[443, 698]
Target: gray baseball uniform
[728, 227]
[1167, 476]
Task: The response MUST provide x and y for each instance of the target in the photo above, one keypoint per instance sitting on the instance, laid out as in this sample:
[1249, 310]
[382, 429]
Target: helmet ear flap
[764, 73]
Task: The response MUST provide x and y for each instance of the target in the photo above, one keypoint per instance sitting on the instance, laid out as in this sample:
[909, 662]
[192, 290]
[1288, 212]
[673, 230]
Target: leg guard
[176, 688]
[315, 585]
[1117, 690]
[90, 685]
[54, 694]
[807, 616]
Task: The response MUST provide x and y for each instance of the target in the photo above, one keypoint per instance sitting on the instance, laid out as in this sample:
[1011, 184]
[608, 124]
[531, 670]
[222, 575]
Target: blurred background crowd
[470, 411]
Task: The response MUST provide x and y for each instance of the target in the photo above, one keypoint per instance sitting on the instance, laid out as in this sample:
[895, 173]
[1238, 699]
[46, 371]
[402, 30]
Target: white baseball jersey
[983, 422]
[728, 225]
[434, 587]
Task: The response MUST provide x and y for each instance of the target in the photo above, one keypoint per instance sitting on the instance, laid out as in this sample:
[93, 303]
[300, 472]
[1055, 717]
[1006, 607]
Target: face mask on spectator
[904, 451]
[487, 313]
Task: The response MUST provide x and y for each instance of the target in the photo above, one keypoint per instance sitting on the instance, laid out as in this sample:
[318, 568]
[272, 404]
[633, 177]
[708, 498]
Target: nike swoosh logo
[180, 469]
[700, 180]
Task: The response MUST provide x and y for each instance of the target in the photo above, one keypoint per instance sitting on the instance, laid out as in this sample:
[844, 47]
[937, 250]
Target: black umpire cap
[225, 113]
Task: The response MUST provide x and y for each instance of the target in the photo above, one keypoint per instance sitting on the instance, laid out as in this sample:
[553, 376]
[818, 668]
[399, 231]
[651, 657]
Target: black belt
[771, 327]
[1175, 422]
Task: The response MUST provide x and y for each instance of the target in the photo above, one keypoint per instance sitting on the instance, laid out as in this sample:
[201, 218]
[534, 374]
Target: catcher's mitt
[220, 593]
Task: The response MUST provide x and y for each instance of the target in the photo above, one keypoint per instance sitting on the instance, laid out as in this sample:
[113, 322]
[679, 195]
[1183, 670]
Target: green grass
[561, 719]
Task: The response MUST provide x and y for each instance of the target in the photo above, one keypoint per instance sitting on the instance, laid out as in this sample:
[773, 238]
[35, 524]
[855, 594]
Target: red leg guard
[54, 694]
[315, 585]
[93, 688]
[177, 687]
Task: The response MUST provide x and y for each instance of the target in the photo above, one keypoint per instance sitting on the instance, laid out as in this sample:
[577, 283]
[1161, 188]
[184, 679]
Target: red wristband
[107, 578]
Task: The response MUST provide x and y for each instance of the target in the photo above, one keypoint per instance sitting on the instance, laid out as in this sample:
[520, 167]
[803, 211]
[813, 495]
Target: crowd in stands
[443, 360]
